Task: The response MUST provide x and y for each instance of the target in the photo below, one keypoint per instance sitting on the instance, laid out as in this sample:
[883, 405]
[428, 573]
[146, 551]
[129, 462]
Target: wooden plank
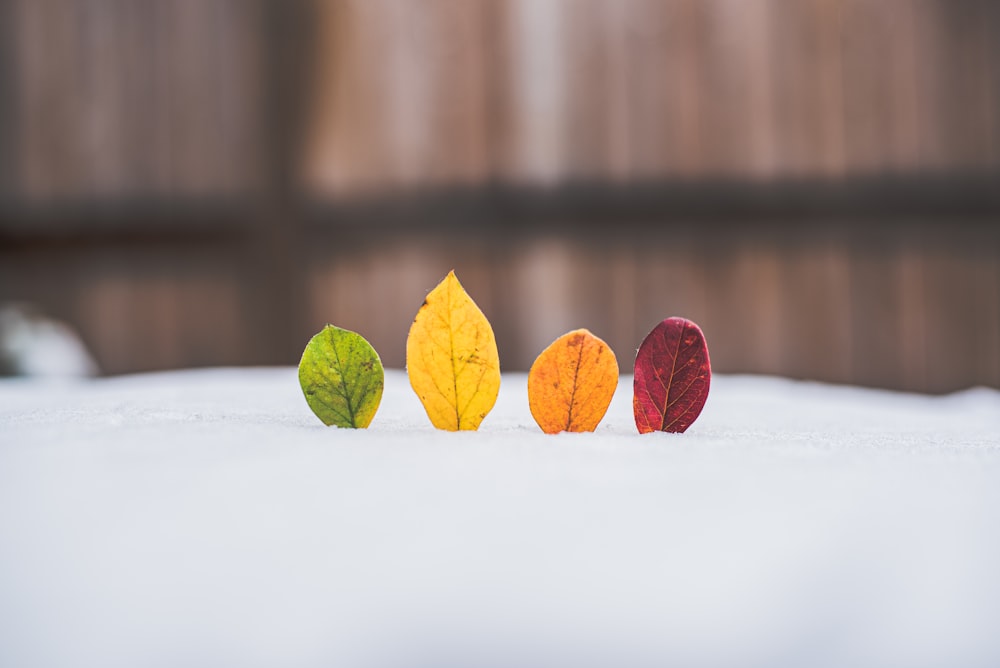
[960, 84]
[402, 93]
[735, 84]
[142, 112]
[880, 80]
[44, 39]
[190, 110]
[957, 339]
[816, 311]
[686, 30]
[590, 88]
[744, 291]
[538, 278]
[107, 322]
[992, 67]
[934, 109]
[660, 102]
[882, 346]
[622, 319]
[8, 109]
[592, 298]
[535, 72]
[912, 340]
[240, 56]
[806, 65]
[987, 281]
[670, 282]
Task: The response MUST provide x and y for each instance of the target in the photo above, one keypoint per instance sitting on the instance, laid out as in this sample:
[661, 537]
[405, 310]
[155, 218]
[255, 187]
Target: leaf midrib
[576, 378]
[670, 383]
[343, 386]
[454, 369]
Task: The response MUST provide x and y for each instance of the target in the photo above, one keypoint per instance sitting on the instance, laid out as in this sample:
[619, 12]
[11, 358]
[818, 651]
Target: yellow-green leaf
[452, 359]
[342, 378]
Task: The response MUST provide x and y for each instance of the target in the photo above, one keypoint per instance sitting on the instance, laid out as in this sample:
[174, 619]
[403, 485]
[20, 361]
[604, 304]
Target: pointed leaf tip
[452, 359]
[342, 378]
[571, 383]
[672, 377]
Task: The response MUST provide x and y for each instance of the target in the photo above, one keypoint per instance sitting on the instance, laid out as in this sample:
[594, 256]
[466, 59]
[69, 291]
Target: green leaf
[342, 378]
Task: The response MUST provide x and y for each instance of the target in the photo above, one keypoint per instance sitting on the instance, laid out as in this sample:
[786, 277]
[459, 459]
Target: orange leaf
[571, 383]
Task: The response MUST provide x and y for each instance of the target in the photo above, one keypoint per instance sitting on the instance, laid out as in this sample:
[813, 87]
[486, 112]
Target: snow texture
[207, 518]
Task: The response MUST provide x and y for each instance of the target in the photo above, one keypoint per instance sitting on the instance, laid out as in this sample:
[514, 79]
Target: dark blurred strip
[963, 198]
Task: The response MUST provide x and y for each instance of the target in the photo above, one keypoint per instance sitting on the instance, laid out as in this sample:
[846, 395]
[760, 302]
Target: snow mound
[207, 518]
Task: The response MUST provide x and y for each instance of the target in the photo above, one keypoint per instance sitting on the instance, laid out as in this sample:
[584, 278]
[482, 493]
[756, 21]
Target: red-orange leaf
[571, 383]
[672, 375]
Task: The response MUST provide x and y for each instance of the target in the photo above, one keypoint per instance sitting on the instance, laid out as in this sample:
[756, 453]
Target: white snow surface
[207, 518]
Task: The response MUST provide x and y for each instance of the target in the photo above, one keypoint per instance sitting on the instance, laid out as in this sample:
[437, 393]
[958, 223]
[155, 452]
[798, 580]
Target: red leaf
[672, 374]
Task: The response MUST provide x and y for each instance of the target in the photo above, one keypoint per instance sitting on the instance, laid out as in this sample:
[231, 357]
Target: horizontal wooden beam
[973, 197]
[502, 208]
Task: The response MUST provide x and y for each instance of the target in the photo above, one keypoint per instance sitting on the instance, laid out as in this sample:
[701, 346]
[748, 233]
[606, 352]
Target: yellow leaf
[571, 383]
[452, 359]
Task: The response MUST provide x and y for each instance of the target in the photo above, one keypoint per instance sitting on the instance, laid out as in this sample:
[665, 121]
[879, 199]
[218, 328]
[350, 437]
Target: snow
[34, 345]
[207, 518]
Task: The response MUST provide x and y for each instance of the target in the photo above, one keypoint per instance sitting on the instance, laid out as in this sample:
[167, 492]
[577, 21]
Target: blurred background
[208, 182]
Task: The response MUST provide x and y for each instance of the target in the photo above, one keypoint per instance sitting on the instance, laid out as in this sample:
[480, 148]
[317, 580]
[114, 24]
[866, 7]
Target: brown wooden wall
[202, 182]
[424, 93]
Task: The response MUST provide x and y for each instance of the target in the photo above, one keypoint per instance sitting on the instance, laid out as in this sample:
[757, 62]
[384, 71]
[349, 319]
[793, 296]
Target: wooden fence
[208, 181]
